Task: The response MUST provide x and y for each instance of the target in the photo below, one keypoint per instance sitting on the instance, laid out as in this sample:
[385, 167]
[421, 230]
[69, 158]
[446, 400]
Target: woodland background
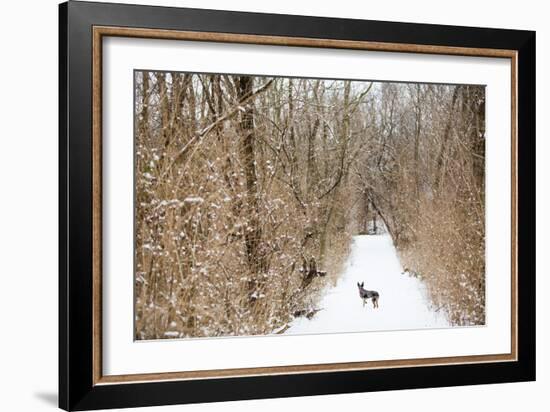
[249, 190]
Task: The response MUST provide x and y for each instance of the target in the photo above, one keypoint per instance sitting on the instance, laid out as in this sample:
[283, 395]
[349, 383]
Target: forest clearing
[260, 202]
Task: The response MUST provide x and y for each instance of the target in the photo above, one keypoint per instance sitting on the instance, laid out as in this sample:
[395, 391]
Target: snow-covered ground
[403, 301]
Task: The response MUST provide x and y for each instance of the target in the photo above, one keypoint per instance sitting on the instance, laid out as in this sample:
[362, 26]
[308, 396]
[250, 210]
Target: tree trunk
[253, 234]
[443, 147]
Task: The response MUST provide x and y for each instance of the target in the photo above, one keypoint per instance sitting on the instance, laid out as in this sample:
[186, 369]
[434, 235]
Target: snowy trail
[403, 301]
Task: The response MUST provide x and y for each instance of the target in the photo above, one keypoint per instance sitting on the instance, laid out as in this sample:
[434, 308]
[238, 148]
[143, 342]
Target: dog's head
[360, 285]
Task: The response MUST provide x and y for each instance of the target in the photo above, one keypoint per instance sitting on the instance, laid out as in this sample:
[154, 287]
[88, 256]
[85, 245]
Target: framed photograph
[257, 205]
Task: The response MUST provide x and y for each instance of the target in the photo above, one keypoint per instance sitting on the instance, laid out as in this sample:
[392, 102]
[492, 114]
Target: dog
[368, 294]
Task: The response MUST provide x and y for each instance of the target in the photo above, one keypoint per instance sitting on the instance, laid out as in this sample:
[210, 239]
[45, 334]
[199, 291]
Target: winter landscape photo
[279, 205]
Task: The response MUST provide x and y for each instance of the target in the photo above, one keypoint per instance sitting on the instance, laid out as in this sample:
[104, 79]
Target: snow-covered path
[403, 302]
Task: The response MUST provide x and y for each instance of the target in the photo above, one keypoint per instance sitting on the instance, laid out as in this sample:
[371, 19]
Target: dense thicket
[248, 191]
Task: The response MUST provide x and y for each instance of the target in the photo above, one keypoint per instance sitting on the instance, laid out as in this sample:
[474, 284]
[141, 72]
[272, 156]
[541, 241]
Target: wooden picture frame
[82, 385]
